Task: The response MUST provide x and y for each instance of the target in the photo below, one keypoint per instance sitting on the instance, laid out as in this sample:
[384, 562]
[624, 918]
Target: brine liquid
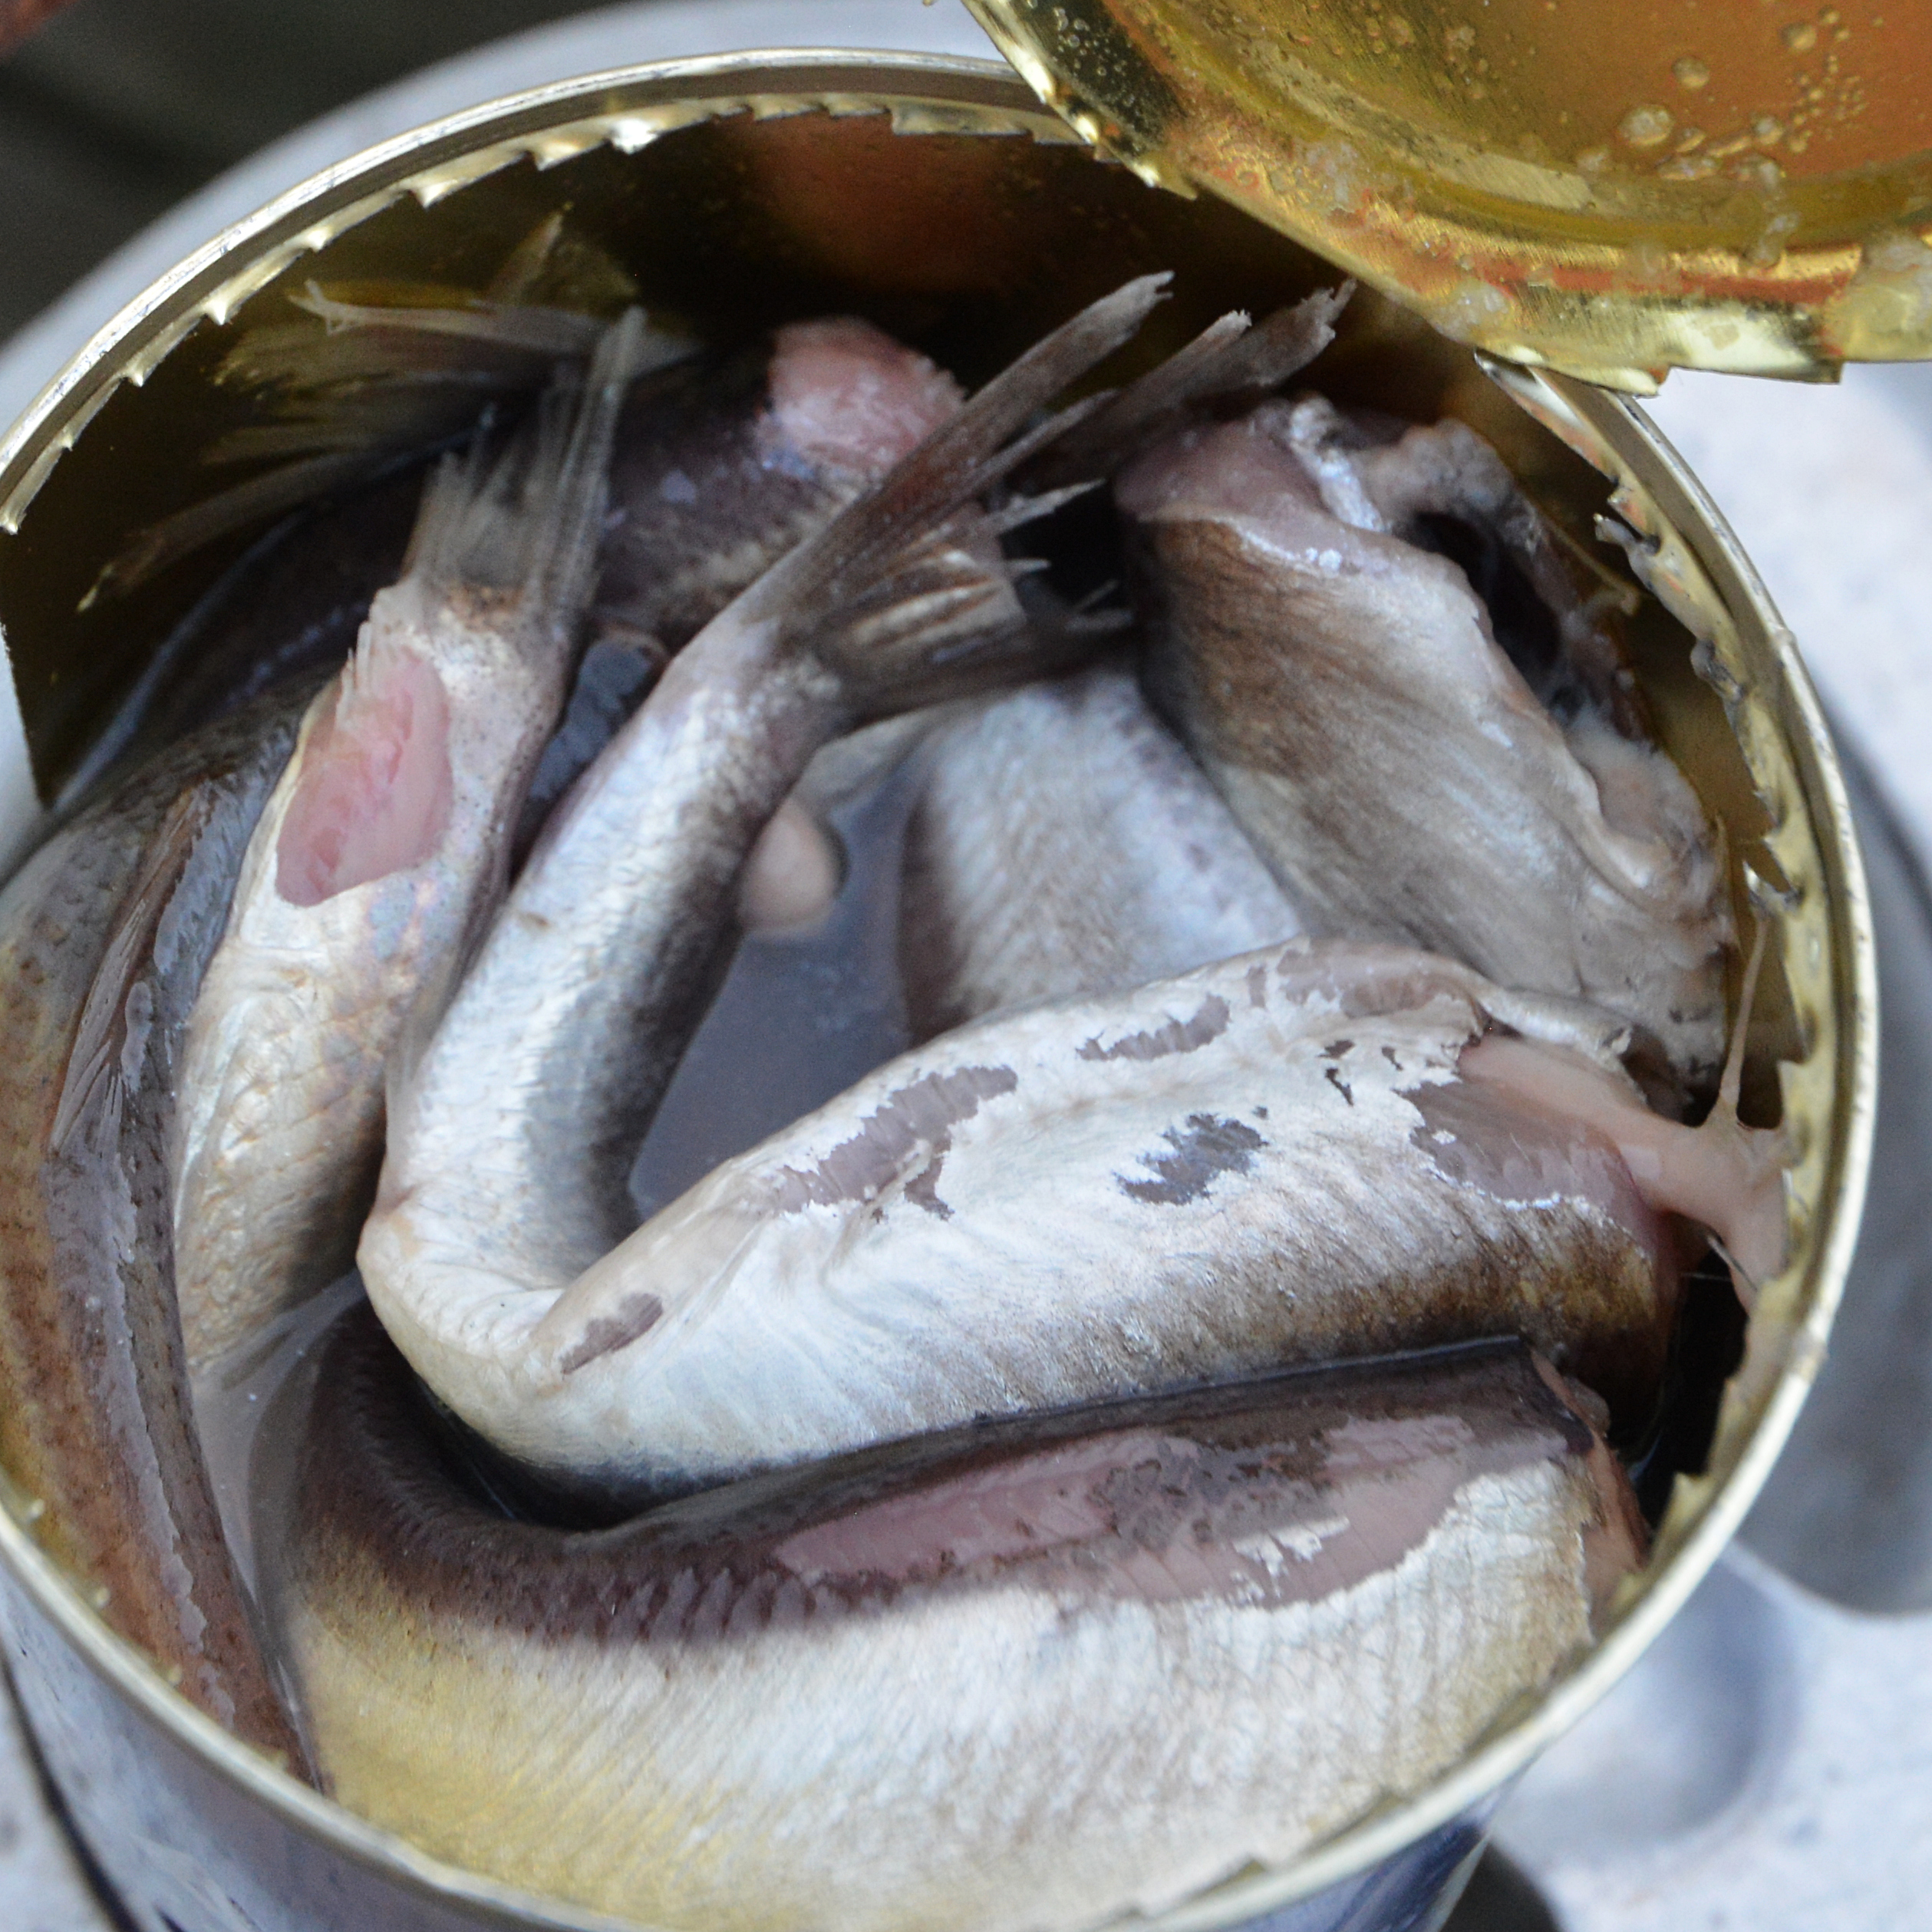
[798, 1021]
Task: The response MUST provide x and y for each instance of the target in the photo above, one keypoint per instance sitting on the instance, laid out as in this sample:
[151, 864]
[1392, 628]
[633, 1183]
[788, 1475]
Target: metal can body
[935, 198]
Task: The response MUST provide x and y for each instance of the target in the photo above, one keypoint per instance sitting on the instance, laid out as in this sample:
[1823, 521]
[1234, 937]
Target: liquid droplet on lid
[1647, 127]
[1691, 72]
[1799, 37]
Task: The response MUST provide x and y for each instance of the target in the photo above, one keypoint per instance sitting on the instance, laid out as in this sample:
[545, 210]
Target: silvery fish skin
[384, 844]
[512, 1135]
[1063, 843]
[714, 473]
[1022, 1676]
[128, 903]
[1344, 690]
[1310, 1153]
[104, 934]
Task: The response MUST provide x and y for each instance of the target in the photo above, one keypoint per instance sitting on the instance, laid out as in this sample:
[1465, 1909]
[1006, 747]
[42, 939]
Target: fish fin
[373, 782]
[1759, 1244]
[952, 619]
[272, 494]
[1731, 1085]
[378, 380]
[298, 369]
[546, 334]
[379, 425]
[508, 334]
[95, 1077]
[333, 443]
[524, 267]
[1018, 511]
[1229, 362]
[531, 521]
[903, 596]
[555, 265]
[970, 452]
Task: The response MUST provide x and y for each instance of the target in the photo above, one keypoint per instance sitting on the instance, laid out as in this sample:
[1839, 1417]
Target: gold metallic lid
[1611, 188]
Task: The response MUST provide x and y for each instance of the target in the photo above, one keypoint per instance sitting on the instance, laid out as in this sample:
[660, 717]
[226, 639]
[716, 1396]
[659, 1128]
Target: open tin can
[937, 198]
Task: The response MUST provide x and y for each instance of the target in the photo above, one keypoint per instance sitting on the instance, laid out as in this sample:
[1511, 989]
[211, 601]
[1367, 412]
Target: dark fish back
[1150, 1498]
[104, 934]
[701, 507]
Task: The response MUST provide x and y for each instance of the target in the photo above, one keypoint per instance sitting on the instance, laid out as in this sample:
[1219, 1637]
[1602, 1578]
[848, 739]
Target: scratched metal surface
[1769, 1764]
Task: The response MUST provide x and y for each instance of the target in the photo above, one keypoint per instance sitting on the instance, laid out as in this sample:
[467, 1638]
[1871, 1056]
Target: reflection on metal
[1608, 192]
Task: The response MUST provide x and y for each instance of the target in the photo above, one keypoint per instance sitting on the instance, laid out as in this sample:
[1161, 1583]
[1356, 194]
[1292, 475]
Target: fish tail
[157, 546]
[1754, 1247]
[1231, 361]
[507, 337]
[542, 333]
[904, 597]
[1731, 1086]
[530, 521]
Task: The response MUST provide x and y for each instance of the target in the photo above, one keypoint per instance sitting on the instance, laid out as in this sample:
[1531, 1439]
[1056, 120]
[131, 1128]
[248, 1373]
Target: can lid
[1612, 188]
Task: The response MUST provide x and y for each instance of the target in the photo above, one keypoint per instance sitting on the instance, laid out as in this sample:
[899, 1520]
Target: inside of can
[967, 241]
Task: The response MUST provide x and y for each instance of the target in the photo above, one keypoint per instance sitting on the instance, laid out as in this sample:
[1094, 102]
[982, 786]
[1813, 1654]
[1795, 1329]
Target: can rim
[446, 154]
[440, 157]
